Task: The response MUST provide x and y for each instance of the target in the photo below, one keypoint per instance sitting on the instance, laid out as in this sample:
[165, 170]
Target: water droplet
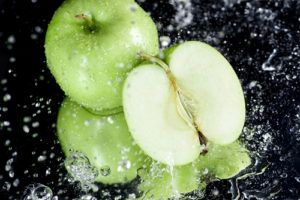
[26, 119]
[133, 7]
[87, 197]
[26, 129]
[6, 123]
[35, 124]
[165, 41]
[38, 29]
[215, 192]
[110, 120]
[11, 39]
[205, 171]
[12, 59]
[87, 122]
[11, 174]
[41, 158]
[124, 165]
[34, 36]
[16, 182]
[120, 65]
[37, 191]
[42, 193]
[6, 186]
[105, 171]
[3, 81]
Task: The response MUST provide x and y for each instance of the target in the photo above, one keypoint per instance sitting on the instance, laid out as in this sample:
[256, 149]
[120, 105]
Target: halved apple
[151, 113]
[211, 89]
[174, 109]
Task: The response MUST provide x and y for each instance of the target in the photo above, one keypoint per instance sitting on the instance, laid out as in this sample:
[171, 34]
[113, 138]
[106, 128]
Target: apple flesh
[91, 45]
[154, 122]
[211, 88]
[172, 111]
[105, 141]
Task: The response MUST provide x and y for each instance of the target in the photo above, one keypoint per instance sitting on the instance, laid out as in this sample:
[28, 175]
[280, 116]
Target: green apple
[105, 141]
[160, 182]
[224, 161]
[173, 110]
[92, 44]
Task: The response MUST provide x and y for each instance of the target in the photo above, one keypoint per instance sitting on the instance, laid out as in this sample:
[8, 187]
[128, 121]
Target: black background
[248, 42]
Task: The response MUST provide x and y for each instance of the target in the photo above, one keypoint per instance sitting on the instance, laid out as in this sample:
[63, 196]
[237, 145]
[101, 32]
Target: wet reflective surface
[261, 39]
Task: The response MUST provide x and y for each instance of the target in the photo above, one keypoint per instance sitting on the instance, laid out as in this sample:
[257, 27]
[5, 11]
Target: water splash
[184, 15]
[81, 170]
[37, 192]
[270, 64]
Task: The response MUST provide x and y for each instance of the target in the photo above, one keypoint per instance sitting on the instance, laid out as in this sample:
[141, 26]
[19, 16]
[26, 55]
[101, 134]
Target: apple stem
[156, 60]
[89, 22]
[161, 63]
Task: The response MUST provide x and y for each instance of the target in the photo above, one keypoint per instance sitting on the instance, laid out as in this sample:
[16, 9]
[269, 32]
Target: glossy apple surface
[92, 44]
[159, 181]
[105, 141]
[224, 161]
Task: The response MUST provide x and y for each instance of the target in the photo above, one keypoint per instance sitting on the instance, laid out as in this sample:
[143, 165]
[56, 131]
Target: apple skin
[105, 141]
[159, 181]
[224, 161]
[91, 65]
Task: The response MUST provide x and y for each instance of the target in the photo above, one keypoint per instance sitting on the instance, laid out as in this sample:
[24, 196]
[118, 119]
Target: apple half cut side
[150, 107]
[210, 89]
[174, 109]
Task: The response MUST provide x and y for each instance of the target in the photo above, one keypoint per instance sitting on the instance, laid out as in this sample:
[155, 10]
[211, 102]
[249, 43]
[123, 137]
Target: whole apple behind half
[92, 44]
[173, 110]
[105, 141]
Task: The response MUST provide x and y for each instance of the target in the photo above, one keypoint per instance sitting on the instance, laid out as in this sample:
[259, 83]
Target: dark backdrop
[261, 40]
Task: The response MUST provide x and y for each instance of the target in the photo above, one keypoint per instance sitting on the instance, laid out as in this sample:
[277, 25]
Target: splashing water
[184, 15]
[80, 169]
[37, 192]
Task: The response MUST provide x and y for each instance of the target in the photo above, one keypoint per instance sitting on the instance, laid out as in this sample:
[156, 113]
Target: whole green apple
[92, 44]
[105, 141]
